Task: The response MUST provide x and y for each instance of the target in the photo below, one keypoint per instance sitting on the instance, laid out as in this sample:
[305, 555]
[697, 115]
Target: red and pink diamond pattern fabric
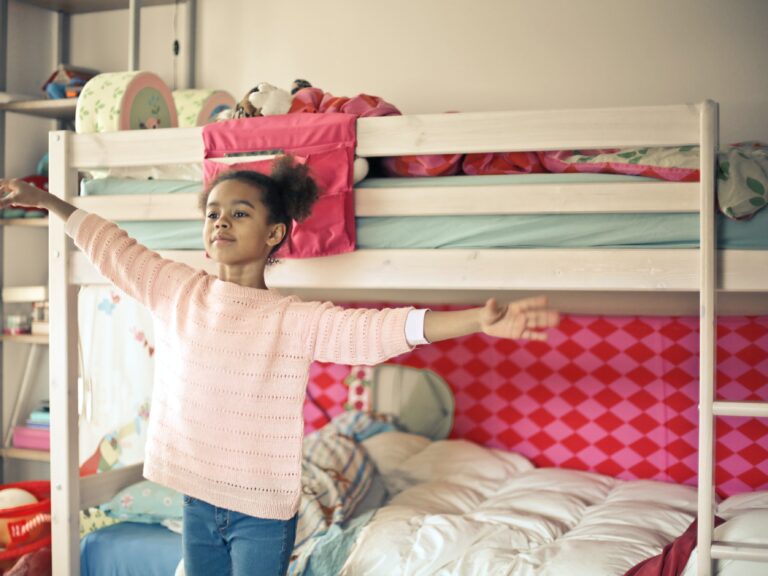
[615, 395]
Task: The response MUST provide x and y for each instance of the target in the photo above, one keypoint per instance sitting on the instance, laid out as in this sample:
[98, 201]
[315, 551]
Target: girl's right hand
[20, 193]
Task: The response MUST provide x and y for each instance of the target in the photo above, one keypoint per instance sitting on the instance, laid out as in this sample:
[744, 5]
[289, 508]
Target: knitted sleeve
[357, 336]
[138, 271]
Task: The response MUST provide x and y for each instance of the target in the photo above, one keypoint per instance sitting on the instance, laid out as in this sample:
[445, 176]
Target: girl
[233, 359]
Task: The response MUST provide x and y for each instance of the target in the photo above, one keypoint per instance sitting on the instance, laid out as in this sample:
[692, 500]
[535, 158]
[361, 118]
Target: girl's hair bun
[298, 190]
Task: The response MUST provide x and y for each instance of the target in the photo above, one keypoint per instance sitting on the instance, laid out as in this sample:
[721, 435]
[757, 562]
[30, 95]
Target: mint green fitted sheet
[507, 231]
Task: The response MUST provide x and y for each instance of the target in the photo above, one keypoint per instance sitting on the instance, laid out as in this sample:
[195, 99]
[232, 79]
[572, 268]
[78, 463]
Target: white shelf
[25, 222]
[26, 454]
[16, 294]
[83, 6]
[63, 109]
[25, 338]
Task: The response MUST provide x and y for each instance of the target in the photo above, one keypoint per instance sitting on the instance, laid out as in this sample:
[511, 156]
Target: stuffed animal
[268, 100]
[263, 100]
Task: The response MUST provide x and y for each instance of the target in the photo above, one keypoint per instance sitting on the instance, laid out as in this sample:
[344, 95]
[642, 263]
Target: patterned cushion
[145, 502]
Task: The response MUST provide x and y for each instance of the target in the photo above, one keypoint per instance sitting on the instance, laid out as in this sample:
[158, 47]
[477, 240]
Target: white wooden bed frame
[632, 277]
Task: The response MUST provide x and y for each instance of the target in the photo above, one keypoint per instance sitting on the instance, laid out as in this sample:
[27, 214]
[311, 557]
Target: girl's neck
[248, 275]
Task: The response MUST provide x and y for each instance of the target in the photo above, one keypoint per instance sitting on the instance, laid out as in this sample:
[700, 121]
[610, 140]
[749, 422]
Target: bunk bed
[664, 279]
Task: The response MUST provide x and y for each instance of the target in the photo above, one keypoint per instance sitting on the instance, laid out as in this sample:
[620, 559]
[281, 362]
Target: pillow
[93, 519]
[456, 460]
[422, 165]
[742, 502]
[390, 449]
[145, 502]
[747, 527]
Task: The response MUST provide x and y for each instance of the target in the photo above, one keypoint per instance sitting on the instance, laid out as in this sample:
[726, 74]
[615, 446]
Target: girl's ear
[276, 234]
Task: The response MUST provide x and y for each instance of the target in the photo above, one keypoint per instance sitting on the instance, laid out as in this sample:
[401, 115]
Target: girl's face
[236, 229]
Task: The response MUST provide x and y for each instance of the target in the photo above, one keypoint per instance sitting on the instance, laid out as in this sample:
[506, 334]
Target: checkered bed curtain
[615, 395]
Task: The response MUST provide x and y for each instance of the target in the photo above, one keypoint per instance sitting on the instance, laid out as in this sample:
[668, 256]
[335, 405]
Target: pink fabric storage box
[32, 438]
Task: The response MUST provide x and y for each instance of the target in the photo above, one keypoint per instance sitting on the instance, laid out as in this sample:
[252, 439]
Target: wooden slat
[495, 269]
[464, 200]
[65, 484]
[99, 488]
[743, 270]
[746, 409]
[528, 199]
[567, 269]
[137, 148]
[143, 207]
[528, 130]
[708, 131]
[63, 109]
[431, 134]
[739, 551]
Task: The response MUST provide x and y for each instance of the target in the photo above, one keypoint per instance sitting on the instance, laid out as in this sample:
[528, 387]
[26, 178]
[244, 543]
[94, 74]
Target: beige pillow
[456, 460]
[390, 449]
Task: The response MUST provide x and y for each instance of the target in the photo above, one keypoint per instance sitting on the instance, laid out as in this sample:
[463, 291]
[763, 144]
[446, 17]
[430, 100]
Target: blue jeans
[220, 542]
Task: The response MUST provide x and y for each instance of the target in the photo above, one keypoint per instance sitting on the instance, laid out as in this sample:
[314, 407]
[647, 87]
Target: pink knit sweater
[232, 364]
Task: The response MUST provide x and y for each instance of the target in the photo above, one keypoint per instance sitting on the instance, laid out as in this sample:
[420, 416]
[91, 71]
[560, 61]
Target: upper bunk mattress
[635, 230]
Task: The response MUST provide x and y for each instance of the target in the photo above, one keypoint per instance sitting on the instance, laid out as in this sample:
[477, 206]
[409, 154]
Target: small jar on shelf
[15, 324]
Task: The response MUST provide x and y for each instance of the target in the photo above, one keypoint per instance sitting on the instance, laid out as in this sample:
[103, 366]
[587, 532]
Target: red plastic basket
[29, 526]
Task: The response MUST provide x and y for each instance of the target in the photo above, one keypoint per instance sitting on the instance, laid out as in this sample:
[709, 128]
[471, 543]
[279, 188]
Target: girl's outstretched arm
[22, 193]
[136, 270]
[528, 318]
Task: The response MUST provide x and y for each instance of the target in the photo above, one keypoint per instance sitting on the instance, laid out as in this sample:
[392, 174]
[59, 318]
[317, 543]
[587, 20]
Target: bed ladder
[709, 408]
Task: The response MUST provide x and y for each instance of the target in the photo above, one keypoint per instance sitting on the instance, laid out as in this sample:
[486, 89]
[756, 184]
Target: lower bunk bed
[386, 492]
[452, 507]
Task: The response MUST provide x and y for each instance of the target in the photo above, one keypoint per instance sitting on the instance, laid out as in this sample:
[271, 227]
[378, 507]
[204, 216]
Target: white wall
[438, 55]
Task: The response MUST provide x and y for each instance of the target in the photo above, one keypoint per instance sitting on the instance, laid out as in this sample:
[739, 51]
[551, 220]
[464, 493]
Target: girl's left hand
[20, 193]
[528, 318]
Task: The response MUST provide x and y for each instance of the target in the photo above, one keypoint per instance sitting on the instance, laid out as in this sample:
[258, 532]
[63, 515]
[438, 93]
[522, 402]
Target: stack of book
[36, 434]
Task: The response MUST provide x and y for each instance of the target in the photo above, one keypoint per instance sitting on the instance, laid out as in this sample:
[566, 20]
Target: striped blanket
[336, 474]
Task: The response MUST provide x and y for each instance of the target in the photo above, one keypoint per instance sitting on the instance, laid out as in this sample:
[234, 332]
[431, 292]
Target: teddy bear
[267, 100]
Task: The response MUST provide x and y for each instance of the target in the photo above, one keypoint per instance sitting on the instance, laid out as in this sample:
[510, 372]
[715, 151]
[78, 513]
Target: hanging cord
[176, 45]
[318, 405]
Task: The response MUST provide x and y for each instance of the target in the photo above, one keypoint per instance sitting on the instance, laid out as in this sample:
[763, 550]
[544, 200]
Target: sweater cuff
[74, 221]
[414, 327]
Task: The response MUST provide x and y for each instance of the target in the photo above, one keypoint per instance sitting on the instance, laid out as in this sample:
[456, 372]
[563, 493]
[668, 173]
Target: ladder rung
[725, 408]
[734, 551]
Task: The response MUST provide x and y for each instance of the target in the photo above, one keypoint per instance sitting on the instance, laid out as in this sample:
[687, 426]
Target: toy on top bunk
[142, 101]
[264, 99]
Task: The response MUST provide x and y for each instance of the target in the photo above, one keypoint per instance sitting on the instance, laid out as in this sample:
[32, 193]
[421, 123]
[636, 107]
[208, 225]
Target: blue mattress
[675, 230]
[130, 549]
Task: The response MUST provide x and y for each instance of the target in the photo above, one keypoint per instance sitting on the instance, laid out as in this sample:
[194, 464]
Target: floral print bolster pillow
[742, 171]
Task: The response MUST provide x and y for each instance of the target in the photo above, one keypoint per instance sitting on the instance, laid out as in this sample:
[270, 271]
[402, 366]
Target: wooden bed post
[707, 334]
[65, 484]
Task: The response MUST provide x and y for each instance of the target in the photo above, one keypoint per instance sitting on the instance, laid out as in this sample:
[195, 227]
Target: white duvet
[463, 510]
